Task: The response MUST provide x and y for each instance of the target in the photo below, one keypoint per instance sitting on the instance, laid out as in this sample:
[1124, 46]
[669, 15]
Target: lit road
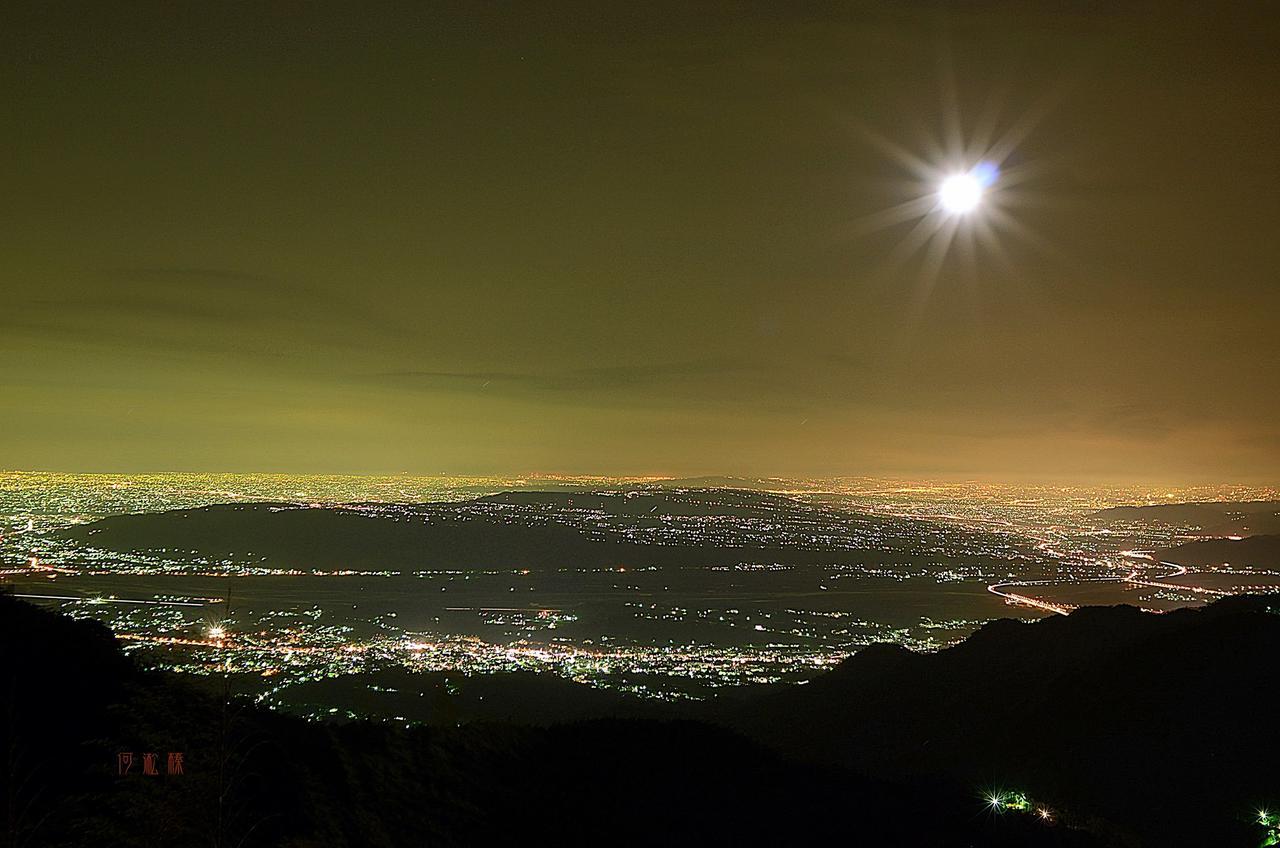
[1027, 600]
[200, 603]
[1134, 577]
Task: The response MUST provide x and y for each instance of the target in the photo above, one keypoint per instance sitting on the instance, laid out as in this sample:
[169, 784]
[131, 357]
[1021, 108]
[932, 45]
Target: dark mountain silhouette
[1158, 727]
[516, 530]
[648, 501]
[1254, 551]
[284, 535]
[72, 703]
[1215, 518]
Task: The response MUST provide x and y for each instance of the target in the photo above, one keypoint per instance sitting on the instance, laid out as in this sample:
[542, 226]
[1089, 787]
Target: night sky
[628, 238]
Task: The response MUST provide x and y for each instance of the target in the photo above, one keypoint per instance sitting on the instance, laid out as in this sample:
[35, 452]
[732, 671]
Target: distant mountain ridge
[1216, 518]
[1251, 551]
[515, 530]
[660, 501]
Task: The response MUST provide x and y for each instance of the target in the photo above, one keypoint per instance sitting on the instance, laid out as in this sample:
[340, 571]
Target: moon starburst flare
[961, 194]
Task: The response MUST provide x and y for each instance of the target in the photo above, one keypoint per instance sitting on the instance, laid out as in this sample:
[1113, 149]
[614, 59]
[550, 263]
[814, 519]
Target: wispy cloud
[188, 274]
[592, 379]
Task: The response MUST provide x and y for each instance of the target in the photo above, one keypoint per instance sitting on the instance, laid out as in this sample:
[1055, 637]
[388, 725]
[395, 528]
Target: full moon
[960, 193]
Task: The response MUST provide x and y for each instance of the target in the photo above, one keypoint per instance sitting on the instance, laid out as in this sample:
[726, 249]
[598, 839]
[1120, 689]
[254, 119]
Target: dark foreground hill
[1154, 729]
[72, 704]
[1133, 729]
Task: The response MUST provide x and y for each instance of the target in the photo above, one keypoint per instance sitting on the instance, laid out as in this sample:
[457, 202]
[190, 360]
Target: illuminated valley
[662, 589]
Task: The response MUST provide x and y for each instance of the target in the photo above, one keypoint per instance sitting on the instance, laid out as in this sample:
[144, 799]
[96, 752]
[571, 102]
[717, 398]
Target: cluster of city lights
[1033, 546]
[1018, 802]
[1271, 822]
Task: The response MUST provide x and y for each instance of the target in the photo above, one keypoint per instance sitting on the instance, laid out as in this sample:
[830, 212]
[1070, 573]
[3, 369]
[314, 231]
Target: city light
[1014, 801]
[1034, 547]
[1271, 822]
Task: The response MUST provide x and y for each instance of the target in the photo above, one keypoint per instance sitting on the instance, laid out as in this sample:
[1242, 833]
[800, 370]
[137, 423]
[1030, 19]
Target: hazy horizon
[668, 242]
[1010, 480]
